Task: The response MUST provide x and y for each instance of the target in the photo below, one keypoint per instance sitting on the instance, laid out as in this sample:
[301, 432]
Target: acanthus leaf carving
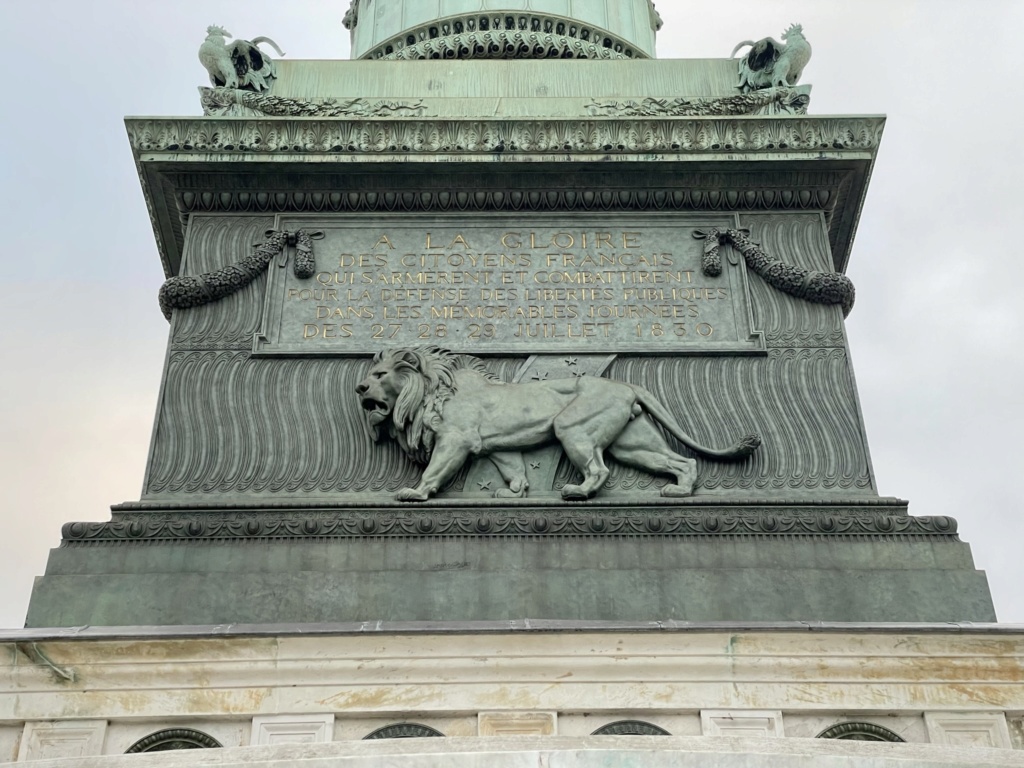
[240, 136]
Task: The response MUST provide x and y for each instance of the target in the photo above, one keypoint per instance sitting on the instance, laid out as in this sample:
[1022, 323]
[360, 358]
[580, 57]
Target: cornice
[243, 633]
[559, 139]
[212, 526]
[273, 152]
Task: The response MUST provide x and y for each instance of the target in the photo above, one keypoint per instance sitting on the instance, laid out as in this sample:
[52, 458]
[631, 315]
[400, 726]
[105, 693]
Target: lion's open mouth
[376, 411]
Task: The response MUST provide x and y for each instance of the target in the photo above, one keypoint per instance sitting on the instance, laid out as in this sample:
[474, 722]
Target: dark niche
[174, 738]
[630, 728]
[859, 732]
[403, 731]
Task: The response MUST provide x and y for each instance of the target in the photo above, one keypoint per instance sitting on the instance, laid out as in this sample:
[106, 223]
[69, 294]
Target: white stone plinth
[959, 689]
[561, 752]
[61, 739]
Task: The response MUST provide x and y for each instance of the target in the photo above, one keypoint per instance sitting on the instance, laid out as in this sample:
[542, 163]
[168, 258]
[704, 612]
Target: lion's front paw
[412, 494]
[516, 490]
[574, 493]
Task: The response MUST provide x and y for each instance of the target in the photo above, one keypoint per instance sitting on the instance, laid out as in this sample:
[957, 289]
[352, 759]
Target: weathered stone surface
[264, 496]
[617, 671]
[591, 752]
[647, 578]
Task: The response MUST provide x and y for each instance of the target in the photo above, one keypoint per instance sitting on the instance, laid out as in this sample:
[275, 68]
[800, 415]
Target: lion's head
[405, 390]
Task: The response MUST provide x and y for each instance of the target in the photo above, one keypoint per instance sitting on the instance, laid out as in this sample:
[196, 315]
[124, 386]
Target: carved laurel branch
[537, 522]
[792, 101]
[606, 136]
[230, 102]
[806, 284]
[187, 291]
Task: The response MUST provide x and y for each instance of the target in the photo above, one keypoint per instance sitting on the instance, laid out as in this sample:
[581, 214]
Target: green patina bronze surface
[640, 234]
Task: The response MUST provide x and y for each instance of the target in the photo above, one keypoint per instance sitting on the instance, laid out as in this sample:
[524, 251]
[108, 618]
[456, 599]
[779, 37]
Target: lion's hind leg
[513, 472]
[585, 428]
[642, 446]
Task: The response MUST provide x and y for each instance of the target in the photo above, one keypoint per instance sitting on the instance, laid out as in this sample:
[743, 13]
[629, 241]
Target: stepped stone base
[590, 752]
[423, 565]
[453, 694]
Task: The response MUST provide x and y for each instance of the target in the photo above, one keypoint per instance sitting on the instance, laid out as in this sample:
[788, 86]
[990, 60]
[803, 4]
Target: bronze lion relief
[443, 408]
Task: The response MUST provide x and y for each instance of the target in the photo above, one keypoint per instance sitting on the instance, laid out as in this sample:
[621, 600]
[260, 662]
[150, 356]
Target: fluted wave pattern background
[230, 425]
[214, 242]
[800, 240]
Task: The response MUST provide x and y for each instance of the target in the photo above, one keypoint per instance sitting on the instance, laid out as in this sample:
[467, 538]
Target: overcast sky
[937, 261]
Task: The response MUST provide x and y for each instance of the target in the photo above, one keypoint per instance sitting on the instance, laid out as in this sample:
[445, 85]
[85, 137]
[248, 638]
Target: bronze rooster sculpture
[771, 64]
[239, 64]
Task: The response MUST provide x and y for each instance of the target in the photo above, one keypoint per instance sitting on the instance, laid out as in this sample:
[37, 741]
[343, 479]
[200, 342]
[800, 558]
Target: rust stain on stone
[378, 698]
[234, 701]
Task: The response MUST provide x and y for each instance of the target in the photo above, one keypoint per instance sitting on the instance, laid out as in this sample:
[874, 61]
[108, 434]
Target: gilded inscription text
[502, 286]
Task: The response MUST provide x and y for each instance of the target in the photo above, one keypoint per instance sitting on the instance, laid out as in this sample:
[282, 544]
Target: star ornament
[484, 486]
[572, 361]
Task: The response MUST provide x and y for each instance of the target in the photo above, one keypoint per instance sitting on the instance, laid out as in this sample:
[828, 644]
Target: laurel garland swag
[805, 284]
[186, 291]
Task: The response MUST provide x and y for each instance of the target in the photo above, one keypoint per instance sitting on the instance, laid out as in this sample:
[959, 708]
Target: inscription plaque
[507, 284]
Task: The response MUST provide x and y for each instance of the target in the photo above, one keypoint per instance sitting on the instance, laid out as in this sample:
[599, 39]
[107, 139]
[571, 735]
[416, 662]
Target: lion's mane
[428, 382]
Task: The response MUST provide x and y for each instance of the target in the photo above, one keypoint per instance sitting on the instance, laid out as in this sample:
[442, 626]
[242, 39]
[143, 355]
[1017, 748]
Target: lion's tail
[743, 448]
